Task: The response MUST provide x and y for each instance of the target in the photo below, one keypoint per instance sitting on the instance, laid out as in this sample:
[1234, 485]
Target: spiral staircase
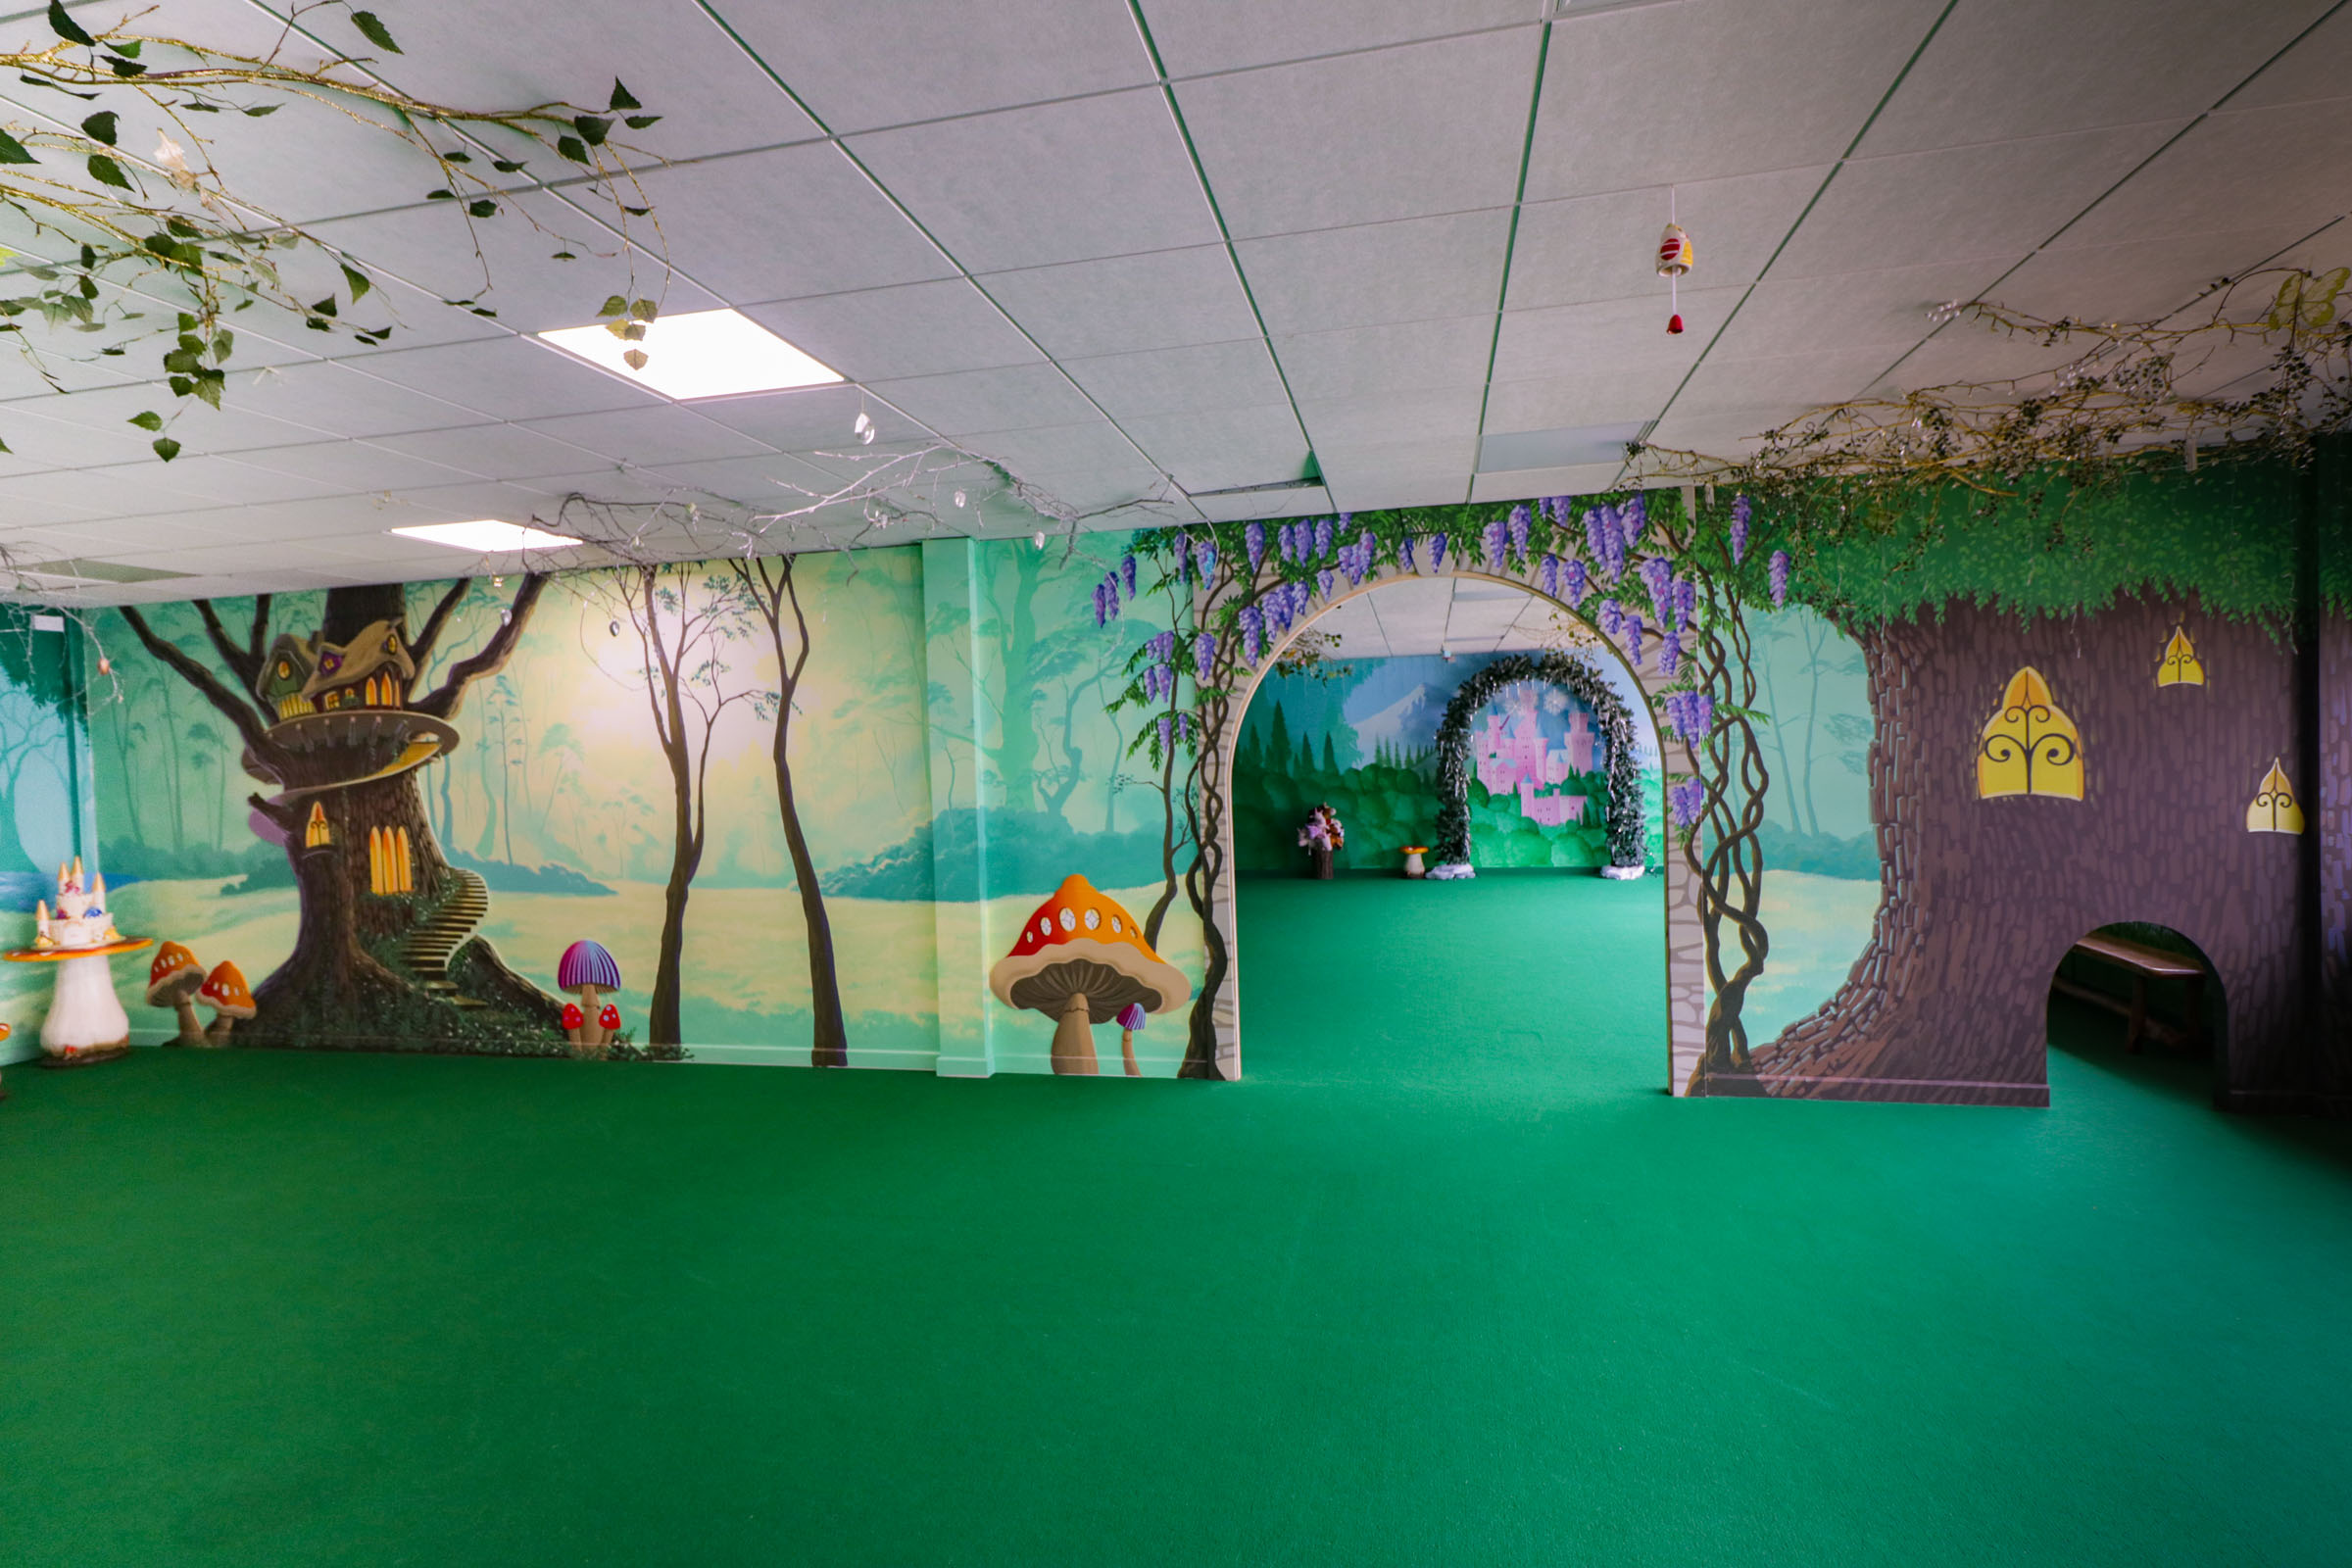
[429, 948]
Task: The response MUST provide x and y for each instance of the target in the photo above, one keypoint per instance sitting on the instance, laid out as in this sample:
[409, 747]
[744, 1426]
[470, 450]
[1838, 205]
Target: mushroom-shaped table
[172, 981]
[1083, 960]
[87, 1023]
[588, 972]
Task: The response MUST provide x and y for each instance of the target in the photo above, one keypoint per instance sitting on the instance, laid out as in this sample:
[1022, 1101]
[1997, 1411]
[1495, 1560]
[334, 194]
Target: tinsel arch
[1580, 680]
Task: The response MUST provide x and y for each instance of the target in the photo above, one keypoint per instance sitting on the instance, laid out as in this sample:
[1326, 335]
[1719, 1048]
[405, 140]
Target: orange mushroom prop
[225, 989]
[172, 981]
[1082, 960]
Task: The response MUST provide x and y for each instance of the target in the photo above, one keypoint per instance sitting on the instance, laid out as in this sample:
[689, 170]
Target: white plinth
[84, 1015]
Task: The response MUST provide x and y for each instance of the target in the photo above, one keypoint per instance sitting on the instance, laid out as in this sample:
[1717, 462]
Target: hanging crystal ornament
[1675, 257]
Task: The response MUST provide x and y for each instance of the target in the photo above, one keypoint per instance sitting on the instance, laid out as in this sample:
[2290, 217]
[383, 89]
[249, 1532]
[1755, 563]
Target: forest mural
[809, 807]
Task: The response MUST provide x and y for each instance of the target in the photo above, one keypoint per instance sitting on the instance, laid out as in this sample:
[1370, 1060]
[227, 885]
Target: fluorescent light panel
[486, 536]
[704, 354]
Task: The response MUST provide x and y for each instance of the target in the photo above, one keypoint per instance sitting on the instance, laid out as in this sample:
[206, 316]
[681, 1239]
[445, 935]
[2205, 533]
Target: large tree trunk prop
[1980, 898]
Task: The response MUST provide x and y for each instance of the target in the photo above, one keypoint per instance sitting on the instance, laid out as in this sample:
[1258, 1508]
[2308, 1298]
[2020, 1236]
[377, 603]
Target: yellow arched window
[404, 865]
[2030, 747]
[2276, 809]
[391, 867]
[2180, 667]
[317, 830]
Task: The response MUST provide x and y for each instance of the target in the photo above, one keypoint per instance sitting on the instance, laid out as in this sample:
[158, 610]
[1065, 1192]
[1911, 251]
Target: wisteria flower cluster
[1685, 800]
[1160, 670]
[1689, 715]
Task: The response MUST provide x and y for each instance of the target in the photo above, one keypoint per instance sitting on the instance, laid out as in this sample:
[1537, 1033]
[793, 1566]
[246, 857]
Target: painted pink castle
[1520, 759]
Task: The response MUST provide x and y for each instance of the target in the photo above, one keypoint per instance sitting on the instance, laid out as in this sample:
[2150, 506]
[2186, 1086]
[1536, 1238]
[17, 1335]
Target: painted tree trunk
[1981, 898]
[829, 1038]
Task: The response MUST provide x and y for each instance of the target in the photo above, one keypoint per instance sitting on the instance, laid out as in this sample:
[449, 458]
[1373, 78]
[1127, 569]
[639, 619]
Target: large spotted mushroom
[172, 981]
[231, 998]
[1082, 960]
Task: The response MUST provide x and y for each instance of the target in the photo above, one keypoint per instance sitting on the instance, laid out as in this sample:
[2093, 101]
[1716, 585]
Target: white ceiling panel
[1432, 127]
[1762, 390]
[910, 330]
[1015, 398]
[1054, 183]
[1607, 337]
[1403, 414]
[355, 465]
[861, 65]
[1650, 95]
[649, 436]
[39, 441]
[343, 399]
[493, 451]
[1224, 447]
[2002, 69]
[1851, 309]
[1195, 36]
[787, 224]
[1181, 381]
[2234, 171]
[1588, 248]
[232, 427]
[224, 481]
[2318, 66]
[2142, 280]
[1313, 501]
[811, 418]
[1159, 300]
[762, 483]
[1366, 361]
[1528, 483]
[1372, 273]
[1583, 399]
[511, 379]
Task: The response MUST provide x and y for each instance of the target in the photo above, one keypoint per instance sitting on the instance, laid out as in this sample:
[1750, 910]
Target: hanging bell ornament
[1675, 257]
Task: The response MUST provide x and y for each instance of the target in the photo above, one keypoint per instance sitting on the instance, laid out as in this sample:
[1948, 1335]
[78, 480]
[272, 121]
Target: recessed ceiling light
[487, 537]
[704, 354]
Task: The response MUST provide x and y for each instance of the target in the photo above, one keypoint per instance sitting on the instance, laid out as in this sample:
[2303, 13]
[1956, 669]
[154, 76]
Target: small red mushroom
[573, 1019]
[608, 1021]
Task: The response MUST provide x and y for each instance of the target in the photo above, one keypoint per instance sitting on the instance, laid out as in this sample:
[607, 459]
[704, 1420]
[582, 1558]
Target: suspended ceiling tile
[676, 60]
[2232, 170]
[1205, 35]
[1432, 127]
[861, 65]
[511, 379]
[786, 225]
[1060, 450]
[1378, 361]
[2137, 281]
[1220, 448]
[1850, 310]
[2025, 67]
[1310, 501]
[811, 418]
[1608, 338]
[1181, 380]
[343, 399]
[1053, 182]
[39, 441]
[493, 451]
[1765, 390]
[461, 502]
[1706, 89]
[1591, 248]
[1529, 483]
[1993, 202]
[1161, 299]
[229, 482]
[910, 330]
[1400, 414]
[354, 465]
[647, 436]
[1572, 408]
[232, 427]
[1017, 397]
[2318, 66]
[769, 483]
[1370, 274]
[1964, 353]
[432, 246]
[573, 500]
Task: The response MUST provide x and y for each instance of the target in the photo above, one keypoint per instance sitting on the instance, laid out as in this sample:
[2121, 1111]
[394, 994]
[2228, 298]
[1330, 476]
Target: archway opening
[1535, 970]
[2142, 999]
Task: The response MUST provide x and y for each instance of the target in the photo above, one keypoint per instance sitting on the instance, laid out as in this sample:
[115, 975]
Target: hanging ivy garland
[1580, 680]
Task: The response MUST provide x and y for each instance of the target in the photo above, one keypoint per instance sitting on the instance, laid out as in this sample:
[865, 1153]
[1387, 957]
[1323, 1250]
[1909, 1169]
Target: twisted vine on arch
[1580, 679]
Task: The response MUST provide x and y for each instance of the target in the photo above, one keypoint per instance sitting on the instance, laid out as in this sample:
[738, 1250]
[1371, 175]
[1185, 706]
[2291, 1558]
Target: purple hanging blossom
[1322, 537]
[1611, 616]
[1184, 560]
[1404, 554]
[1167, 727]
[1548, 574]
[1779, 578]
[1204, 655]
[1633, 639]
[1579, 583]
[1670, 652]
[1101, 611]
[1254, 538]
[1519, 526]
[1127, 572]
[1282, 540]
[1184, 728]
[1205, 554]
[1740, 512]
[1437, 552]
[1636, 518]
[1687, 800]
[1327, 581]
[1492, 538]
[1658, 579]
[1252, 624]
[1702, 715]
[1686, 599]
[1600, 525]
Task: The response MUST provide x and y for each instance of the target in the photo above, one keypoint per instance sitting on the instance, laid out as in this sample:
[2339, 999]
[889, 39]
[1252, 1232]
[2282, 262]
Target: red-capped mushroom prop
[230, 998]
[1083, 960]
[172, 981]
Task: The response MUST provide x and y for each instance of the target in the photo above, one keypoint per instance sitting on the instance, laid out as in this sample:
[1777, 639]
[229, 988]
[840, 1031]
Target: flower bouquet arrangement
[1319, 836]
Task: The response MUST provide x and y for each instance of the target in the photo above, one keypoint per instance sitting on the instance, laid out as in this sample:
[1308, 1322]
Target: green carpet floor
[1448, 1281]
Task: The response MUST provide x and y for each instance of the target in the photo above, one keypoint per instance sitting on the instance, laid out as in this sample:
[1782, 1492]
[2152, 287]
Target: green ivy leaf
[100, 127]
[592, 129]
[456, 158]
[131, 48]
[484, 208]
[506, 166]
[621, 98]
[12, 151]
[355, 280]
[613, 305]
[569, 147]
[440, 195]
[265, 108]
[373, 31]
[65, 26]
[223, 341]
[208, 389]
[563, 256]
[5, 447]
[149, 420]
[325, 307]
[182, 228]
[89, 286]
[643, 310]
[43, 82]
[166, 447]
[122, 66]
[640, 122]
[107, 172]
[634, 359]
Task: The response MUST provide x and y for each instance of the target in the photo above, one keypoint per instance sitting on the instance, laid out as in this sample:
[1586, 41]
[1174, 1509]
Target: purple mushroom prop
[1130, 1021]
[588, 972]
